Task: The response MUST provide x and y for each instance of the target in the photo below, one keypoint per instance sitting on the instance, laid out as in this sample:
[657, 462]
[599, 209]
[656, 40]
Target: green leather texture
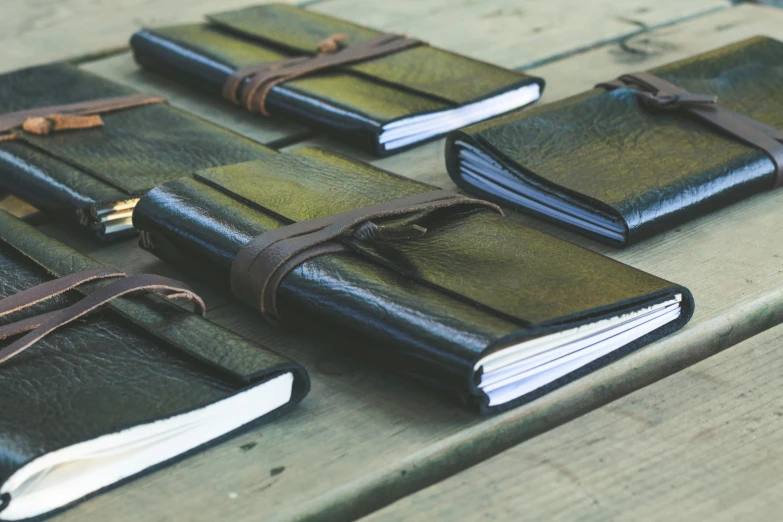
[475, 282]
[454, 248]
[356, 100]
[135, 150]
[652, 170]
[426, 70]
[138, 360]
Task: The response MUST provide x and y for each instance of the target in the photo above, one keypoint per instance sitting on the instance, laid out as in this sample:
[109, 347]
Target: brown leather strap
[262, 263]
[52, 288]
[12, 120]
[44, 324]
[262, 78]
[660, 94]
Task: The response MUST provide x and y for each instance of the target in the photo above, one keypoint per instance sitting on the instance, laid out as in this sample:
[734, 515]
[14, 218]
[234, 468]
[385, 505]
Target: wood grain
[364, 438]
[517, 34]
[33, 32]
[704, 444]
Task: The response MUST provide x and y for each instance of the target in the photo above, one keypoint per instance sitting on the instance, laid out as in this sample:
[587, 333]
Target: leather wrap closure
[660, 94]
[262, 263]
[40, 325]
[262, 78]
[56, 113]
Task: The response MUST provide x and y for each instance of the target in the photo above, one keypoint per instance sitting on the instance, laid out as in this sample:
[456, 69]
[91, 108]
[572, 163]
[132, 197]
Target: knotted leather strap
[262, 78]
[57, 115]
[43, 324]
[262, 263]
[663, 95]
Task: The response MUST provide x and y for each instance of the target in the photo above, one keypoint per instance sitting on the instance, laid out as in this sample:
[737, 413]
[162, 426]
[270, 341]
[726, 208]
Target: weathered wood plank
[365, 438]
[659, 47]
[704, 444]
[33, 32]
[517, 34]
[123, 69]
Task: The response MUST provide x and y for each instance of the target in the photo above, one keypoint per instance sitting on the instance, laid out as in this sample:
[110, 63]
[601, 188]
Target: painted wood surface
[518, 34]
[33, 32]
[704, 444]
[365, 438]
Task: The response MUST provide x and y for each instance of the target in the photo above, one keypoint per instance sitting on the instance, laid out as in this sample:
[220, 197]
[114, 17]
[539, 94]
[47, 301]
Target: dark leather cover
[139, 360]
[651, 170]
[432, 307]
[356, 101]
[74, 172]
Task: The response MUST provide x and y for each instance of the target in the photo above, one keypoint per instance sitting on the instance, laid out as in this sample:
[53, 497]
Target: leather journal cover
[407, 93]
[96, 175]
[119, 392]
[633, 157]
[471, 302]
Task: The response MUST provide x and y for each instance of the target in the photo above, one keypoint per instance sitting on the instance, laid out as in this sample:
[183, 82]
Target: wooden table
[365, 442]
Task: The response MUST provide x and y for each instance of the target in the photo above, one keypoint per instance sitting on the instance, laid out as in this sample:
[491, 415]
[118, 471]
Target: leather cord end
[369, 231]
[43, 125]
[332, 43]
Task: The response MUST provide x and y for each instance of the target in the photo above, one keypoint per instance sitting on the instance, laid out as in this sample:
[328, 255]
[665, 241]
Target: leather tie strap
[41, 325]
[659, 94]
[262, 78]
[80, 115]
[262, 263]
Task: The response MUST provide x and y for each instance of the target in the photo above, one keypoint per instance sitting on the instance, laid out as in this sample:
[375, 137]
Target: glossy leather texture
[75, 172]
[431, 307]
[139, 360]
[652, 170]
[355, 100]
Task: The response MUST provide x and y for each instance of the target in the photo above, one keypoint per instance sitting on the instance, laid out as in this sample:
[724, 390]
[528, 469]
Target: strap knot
[659, 94]
[250, 86]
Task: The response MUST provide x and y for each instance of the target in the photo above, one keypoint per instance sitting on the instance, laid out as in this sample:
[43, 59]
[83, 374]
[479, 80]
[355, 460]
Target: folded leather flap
[137, 148]
[437, 73]
[596, 128]
[176, 327]
[478, 256]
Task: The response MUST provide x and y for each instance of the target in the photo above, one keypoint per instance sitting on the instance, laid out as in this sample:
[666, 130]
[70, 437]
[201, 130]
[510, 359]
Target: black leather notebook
[620, 163]
[96, 175]
[471, 302]
[384, 104]
[120, 391]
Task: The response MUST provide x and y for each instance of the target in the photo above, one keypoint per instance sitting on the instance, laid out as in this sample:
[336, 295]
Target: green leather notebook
[119, 392]
[95, 176]
[608, 164]
[385, 105]
[491, 311]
